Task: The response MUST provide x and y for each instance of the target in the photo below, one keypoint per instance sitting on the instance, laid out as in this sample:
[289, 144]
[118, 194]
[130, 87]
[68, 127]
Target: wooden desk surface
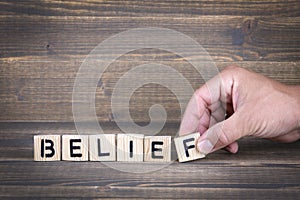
[43, 44]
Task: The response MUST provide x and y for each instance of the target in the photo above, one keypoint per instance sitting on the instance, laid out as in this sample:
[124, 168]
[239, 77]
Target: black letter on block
[43, 148]
[186, 148]
[153, 149]
[131, 149]
[99, 150]
[72, 147]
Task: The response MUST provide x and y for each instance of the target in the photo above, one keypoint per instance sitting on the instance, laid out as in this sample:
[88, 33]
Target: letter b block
[186, 147]
[46, 147]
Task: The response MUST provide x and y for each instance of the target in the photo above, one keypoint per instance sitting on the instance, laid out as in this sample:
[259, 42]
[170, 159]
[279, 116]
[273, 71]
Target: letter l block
[102, 147]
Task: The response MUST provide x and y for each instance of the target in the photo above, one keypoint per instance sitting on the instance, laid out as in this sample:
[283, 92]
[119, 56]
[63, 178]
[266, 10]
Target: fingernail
[205, 146]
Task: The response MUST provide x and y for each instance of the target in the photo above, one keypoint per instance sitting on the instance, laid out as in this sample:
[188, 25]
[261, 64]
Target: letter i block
[75, 147]
[102, 147]
[47, 147]
[130, 147]
[186, 147]
[157, 149]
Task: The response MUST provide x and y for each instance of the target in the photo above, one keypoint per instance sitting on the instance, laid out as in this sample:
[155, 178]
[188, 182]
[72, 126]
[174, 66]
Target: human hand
[254, 105]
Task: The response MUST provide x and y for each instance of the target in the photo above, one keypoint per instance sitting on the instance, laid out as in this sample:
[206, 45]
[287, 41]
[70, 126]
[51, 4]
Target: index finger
[197, 114]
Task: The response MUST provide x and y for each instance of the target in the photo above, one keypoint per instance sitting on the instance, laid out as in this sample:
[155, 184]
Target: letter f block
[47, 147]
[186, 147]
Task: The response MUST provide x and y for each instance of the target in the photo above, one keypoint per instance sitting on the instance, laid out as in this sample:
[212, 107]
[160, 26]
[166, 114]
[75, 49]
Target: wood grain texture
[226, 38]
[42, 45]
[42, 91]
[261, 169]
[156, 7]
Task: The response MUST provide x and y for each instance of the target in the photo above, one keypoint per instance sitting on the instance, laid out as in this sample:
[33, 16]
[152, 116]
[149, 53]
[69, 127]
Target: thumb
[221, 135]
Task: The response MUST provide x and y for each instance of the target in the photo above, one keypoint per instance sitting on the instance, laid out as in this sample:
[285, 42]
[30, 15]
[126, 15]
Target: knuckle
[232, 67]
[235, 72]
[225, 138]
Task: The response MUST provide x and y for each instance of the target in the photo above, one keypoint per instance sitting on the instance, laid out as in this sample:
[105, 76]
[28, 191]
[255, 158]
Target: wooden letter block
[75, 147]
[130, 147]
[186, 147]
[157, 148]
[102, 147]
[47, 147]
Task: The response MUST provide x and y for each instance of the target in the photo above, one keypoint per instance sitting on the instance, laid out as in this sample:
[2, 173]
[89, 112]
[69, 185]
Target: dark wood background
[42, 45]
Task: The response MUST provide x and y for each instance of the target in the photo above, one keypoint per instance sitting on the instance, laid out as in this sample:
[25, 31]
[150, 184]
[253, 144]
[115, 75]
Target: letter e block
[47, 147]
[102, 147]
[186, 147]
[75, 147]
[130, 147]
[157, 148]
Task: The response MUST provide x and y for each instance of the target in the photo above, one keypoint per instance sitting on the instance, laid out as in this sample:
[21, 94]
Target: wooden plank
[226, 38]
[249, 173]
[35, 86]
[154, 8]
[171, 192]
[43, 92]
[195, 179]
[210, 171]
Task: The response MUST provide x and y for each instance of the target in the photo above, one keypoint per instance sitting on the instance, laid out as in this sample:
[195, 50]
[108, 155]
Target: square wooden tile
[47, 147]
[157, 149]
[186, 147]
[102, 147]
[75, 147]
[130, 147]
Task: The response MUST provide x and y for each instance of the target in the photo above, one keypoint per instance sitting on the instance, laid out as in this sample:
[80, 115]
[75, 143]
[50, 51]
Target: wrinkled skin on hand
[254, 104]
